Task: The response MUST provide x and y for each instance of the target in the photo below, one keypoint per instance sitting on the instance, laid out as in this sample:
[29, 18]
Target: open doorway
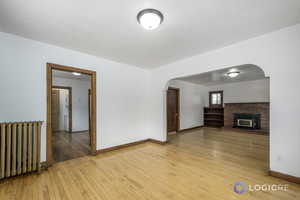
[71, 113]
[62, 108]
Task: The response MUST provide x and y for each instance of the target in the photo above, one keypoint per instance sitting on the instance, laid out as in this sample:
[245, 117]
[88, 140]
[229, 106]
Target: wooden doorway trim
[89, 108]
[50, 68]
[70, 103]
[89, 99]
[178, 108]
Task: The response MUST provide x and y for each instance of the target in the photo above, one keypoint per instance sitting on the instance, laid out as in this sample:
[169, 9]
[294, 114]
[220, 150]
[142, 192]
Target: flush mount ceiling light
[150, 19]
[233, 74]
[76, 73]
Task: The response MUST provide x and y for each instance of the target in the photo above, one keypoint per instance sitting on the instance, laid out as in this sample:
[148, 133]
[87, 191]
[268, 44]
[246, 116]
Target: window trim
[210, 98]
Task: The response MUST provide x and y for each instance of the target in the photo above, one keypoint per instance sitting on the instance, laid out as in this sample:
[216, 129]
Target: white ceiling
[69, 75]
[247, 73]
[109, 28]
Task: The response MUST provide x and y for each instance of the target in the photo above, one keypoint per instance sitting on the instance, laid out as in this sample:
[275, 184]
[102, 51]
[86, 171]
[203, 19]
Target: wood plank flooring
[200, 164]
[67, 146]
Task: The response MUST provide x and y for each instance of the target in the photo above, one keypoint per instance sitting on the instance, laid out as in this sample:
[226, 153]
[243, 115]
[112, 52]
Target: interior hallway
[199, 164]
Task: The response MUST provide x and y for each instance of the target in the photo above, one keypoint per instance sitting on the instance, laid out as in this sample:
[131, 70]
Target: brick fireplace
[255, 109]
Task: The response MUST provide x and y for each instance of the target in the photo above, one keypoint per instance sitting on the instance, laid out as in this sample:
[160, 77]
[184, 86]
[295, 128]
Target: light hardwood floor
[200, 164]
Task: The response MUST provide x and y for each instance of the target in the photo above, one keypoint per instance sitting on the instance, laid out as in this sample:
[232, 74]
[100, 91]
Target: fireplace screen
[245, 123]
[246, 120]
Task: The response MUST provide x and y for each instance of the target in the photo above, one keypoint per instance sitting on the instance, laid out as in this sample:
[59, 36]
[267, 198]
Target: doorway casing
[50, 68]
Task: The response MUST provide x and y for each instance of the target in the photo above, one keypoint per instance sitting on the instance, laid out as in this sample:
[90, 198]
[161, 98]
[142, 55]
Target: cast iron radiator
[19, 148]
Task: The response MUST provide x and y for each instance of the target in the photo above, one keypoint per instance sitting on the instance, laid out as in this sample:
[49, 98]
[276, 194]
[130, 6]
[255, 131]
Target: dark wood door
[172, 110]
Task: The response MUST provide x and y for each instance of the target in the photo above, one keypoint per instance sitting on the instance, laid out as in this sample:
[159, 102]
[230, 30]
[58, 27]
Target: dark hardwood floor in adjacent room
[68, 146]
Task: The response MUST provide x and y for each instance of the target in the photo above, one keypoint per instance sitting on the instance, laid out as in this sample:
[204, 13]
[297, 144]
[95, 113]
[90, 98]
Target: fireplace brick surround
[262, 108]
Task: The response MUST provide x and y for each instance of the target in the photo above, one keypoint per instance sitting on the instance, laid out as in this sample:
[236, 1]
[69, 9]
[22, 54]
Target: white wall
[121, 105]
[277, 54]
[192, 101]
[80, 101]
[243, 92]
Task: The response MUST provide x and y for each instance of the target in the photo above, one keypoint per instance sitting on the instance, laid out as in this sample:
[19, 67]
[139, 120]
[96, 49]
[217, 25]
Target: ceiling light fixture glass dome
[233, 74]
[76, 73]
[150, 19]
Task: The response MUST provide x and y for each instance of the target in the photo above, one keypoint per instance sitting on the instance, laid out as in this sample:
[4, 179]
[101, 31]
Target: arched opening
[222, 110]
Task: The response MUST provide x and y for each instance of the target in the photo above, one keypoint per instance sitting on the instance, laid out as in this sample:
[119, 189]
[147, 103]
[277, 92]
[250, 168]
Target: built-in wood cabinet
[214, 116]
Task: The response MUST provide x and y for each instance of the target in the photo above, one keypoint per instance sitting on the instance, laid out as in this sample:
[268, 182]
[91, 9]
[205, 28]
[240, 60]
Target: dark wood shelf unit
[213, 119]
[214, 116]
